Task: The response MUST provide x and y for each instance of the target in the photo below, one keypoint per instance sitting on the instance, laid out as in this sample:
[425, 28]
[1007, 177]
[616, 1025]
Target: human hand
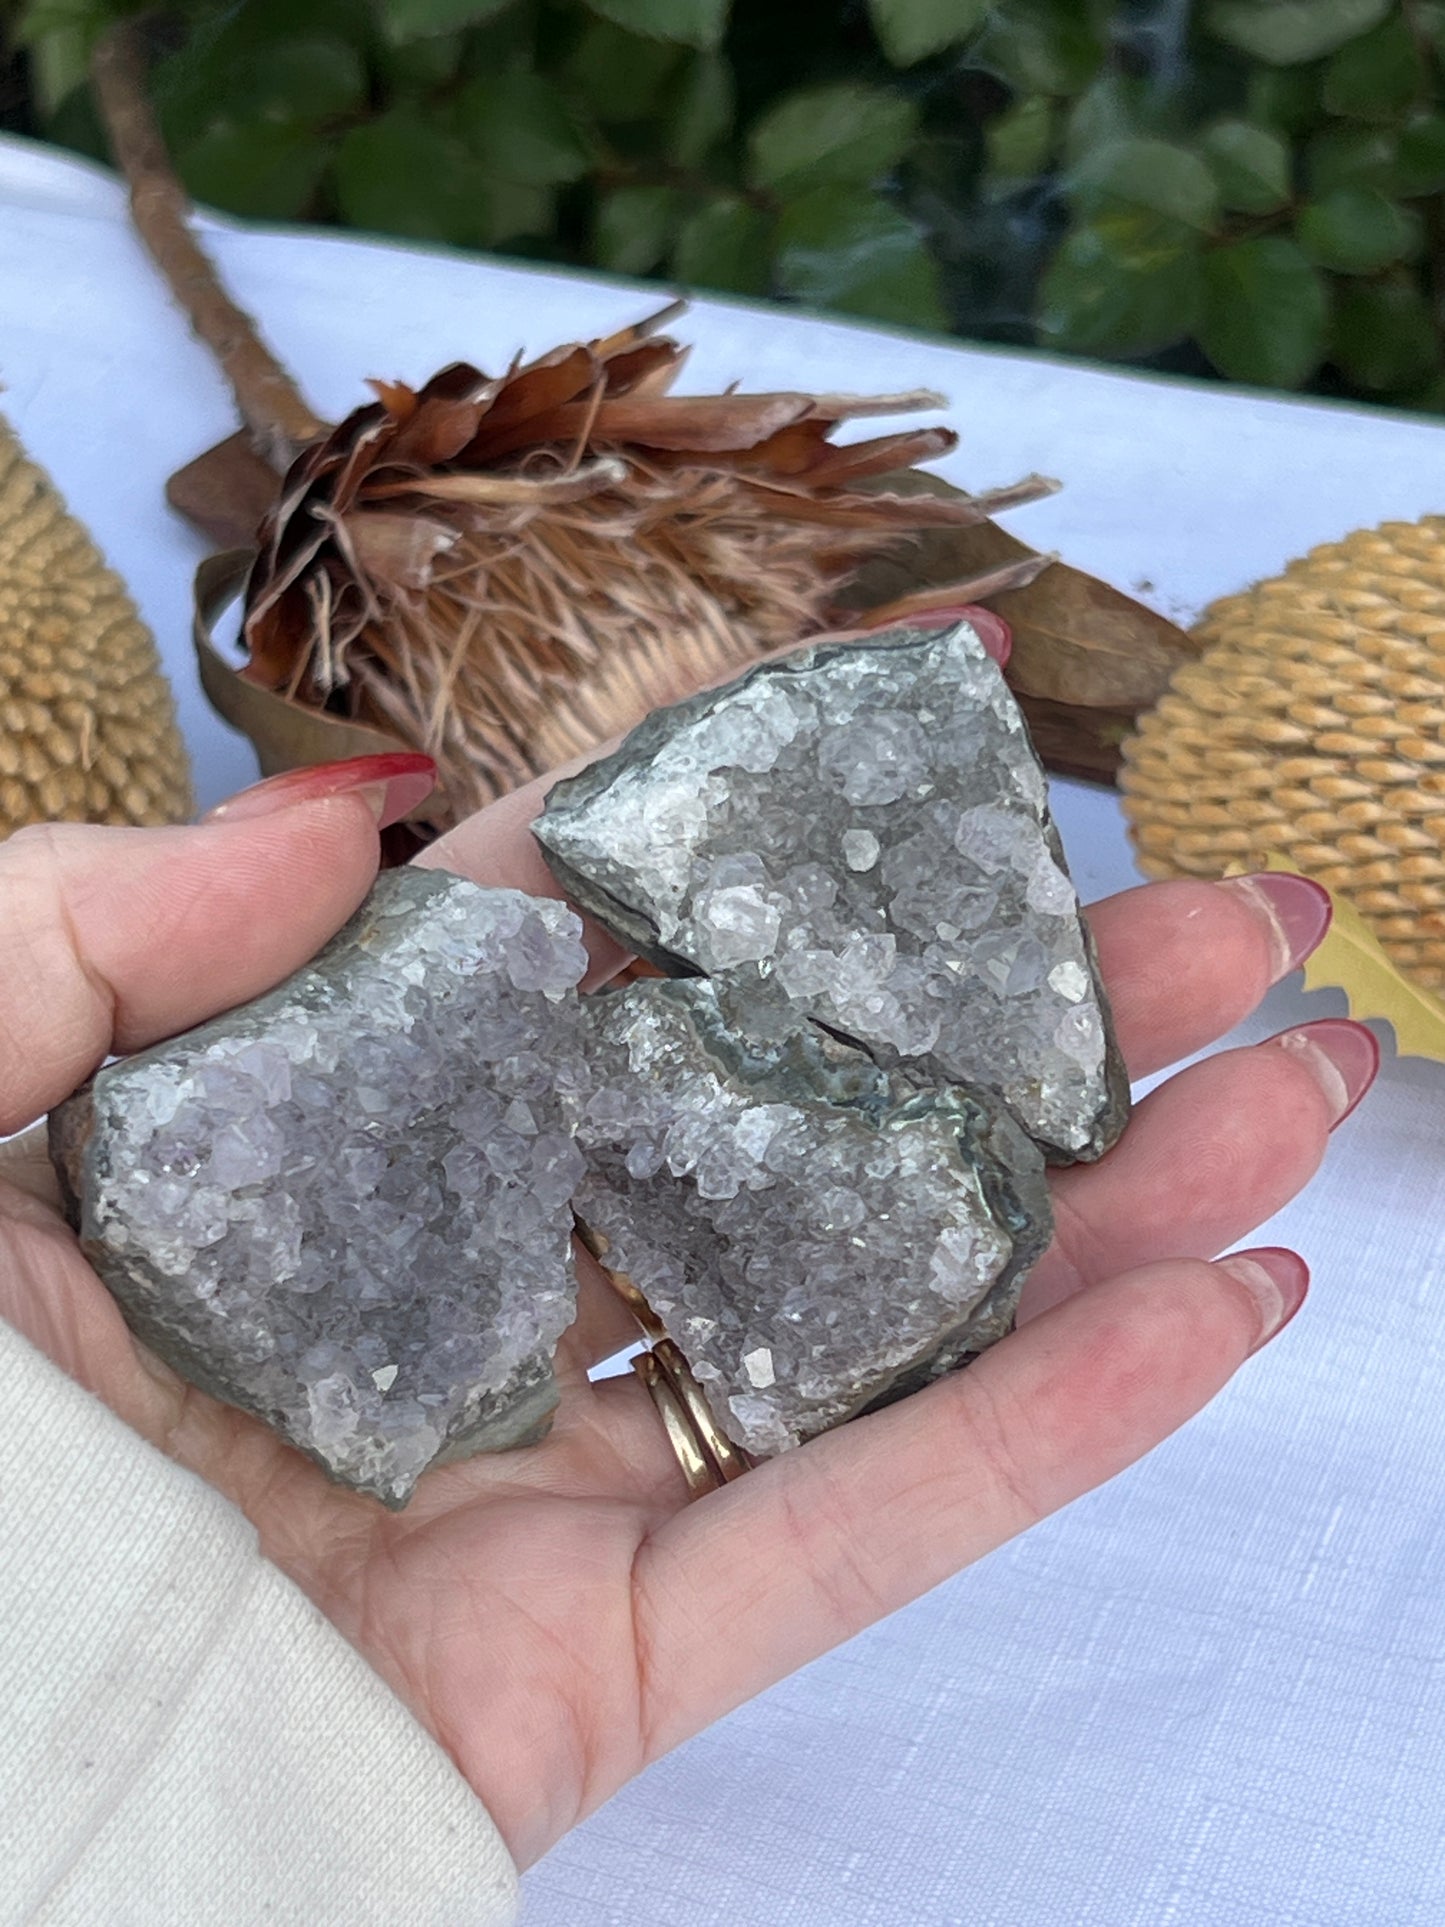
[559, 1617]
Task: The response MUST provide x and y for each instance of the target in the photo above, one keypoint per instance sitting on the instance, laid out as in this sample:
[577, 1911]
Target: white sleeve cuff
[187, 1739]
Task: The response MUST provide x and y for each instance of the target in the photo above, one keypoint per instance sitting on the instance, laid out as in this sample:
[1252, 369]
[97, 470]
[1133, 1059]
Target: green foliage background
[1248, 187]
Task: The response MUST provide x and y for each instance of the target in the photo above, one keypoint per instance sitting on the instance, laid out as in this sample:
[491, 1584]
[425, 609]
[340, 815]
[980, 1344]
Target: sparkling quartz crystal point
[344, 1207]
[818, 1235]
[861, 833]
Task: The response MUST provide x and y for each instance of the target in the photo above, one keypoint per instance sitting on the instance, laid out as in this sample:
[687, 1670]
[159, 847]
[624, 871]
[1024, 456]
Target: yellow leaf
[1351, 960]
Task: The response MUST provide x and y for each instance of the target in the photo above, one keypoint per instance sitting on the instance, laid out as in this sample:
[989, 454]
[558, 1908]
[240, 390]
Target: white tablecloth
[1212, 1695]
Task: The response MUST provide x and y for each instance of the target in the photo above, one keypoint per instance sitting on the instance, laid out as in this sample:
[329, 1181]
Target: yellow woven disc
[1312, 728]
[87, 725]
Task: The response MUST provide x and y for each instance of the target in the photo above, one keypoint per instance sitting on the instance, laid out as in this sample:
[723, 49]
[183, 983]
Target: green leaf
[1168, 180]
[75, 124]
[58, 36]
[1265, 313]
[1420, 156]
[403, 20]
[1113, 108]
[1355, 230]
[395, 175]
[1284, 97]
[725, 245]
[404, 173]
[1342, 156]
[259, 169]
[506, 210]
[841, 136]
[910, 30]
[235, 81]
[1428, 399]
[620, 75]
[1099, 296]
[1286, 32]
[1020, 141]
[301, 82]
[1250, 164]
[692, 23]
[635, 228]
[840, 248]
[701, 110]
[1383, 338]
[1377, 76]
[519, 127]
[1142, 241]
[417, 66]
[1040, 46]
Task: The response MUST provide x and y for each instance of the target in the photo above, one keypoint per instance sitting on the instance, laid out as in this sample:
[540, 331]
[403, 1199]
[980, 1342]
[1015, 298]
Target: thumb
[113, 938]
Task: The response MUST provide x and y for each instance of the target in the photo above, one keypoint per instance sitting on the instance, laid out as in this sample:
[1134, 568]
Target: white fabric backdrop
[1212, 1695]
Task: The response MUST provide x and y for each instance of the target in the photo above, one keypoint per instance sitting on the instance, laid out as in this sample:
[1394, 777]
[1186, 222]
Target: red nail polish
[1279, 1292]
[392, 784]
[1298, 909]
[993, 632]
[1341, 1055]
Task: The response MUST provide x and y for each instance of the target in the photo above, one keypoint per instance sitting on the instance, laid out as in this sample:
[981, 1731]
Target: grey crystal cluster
[861, 833]
[345, 1207]
[816, 1234]
[815, 1150]
[821, 1157]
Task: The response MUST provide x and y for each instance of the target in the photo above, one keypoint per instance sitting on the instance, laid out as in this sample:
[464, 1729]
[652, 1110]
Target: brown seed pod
[87, 724]
[1312, 729]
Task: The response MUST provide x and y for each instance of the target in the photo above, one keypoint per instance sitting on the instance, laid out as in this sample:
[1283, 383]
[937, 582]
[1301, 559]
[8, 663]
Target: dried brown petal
[398, 549]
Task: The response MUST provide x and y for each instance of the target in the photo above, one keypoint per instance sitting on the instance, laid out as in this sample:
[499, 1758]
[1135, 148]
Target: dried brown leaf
[1076, 640]
[227, 492]
[286, 735]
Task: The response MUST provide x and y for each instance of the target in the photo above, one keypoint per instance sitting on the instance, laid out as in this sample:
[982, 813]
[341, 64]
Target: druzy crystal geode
[817, 1235]
[861, 832]
[344, 1207]
[817, 1150]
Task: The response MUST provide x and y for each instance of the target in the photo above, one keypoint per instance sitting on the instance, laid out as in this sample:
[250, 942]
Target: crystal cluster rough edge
[861, 832]
[817, 1235]
[345, 1206]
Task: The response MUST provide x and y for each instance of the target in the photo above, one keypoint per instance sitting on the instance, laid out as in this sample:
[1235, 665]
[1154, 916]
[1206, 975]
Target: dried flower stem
[271, 405]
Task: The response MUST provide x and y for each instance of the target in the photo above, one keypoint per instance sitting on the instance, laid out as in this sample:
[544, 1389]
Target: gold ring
[680, 1399]
[708, 1457]
[697, 1468]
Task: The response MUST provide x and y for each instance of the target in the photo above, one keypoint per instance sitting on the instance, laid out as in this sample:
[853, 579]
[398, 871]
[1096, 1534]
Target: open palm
[560, 1616]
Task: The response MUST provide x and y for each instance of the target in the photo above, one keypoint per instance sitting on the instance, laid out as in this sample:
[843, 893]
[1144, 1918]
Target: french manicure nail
[392, 785]
[1297, 910]
[1277, 1280]
[1343, 1057]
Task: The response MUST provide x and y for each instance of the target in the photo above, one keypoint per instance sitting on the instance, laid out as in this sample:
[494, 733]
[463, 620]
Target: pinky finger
[808, 1550]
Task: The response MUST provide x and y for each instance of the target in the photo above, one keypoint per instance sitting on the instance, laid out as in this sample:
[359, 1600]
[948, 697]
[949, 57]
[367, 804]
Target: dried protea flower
[506, 571]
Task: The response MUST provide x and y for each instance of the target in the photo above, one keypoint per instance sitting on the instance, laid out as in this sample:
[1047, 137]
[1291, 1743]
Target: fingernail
[1277, 1280]
[392, 785]
[993, 632]
[1342, 1057]
[1297, 910]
